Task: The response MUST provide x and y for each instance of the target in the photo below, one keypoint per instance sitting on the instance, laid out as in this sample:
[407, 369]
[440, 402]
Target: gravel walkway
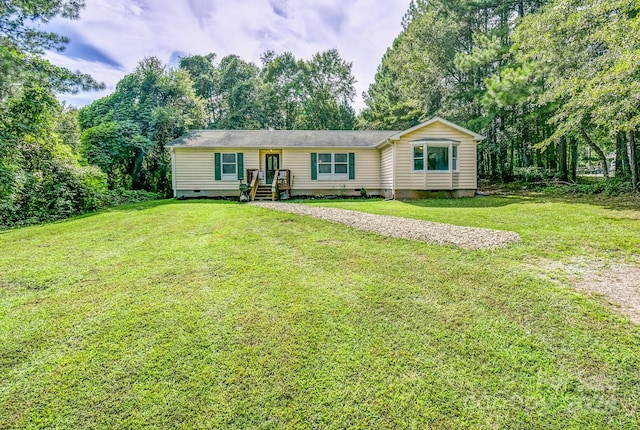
[406, 228]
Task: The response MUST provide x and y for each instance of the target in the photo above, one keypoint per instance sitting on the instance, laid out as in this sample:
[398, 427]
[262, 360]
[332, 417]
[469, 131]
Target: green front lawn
[221, 315]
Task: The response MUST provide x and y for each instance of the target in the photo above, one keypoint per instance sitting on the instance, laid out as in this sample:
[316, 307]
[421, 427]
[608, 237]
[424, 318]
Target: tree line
[548, 82]
[41, 174]
[125, 133]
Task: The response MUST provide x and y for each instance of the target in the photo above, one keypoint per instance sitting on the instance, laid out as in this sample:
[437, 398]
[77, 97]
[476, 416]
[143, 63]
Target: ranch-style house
[436, 156]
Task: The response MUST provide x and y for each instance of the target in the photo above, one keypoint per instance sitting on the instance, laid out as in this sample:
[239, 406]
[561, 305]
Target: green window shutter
[314, 166]
[240, 157]
[352, 165]
[218, 167]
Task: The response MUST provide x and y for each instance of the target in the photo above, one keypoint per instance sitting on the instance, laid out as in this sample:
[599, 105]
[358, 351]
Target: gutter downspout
[173, 172]
[393, 170]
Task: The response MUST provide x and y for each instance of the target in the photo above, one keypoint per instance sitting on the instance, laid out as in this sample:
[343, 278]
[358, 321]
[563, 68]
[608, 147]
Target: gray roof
[281, 139]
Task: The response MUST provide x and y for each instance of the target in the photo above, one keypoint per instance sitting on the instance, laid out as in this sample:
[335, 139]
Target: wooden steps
[264, 193]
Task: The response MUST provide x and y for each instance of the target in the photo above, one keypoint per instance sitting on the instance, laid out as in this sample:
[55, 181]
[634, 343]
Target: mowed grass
[207, 314]
[560, 228]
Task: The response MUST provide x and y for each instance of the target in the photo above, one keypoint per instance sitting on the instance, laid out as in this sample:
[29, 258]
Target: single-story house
[435, 156]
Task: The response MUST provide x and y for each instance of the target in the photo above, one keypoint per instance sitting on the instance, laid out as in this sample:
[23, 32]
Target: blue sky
[112, 36]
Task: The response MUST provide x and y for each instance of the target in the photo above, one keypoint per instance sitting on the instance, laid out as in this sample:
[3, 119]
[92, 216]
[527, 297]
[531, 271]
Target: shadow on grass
[629, 201]
[470, 202]
[151, 204]
[129, 207]
[467, 202]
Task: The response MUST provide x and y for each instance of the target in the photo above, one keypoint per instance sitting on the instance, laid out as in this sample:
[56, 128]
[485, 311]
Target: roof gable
[461, 129]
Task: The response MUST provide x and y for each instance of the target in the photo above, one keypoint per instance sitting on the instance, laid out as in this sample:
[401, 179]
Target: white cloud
[129, 30]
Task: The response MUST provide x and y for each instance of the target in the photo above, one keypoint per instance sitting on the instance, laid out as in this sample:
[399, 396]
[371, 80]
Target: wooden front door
[272, 162]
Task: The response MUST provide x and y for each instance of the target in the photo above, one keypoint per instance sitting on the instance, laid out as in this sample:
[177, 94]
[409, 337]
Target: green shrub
[62, 190]
[532, 174]
[121, 197]
[606, 186]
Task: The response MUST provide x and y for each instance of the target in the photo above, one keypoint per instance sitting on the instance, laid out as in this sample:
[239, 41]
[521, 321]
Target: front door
[273, 163]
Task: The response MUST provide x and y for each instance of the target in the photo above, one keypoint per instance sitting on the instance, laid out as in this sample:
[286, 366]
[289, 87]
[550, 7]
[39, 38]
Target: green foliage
[17, 19]
[68, 127]
[533, 174]
[282, 91]
[120, 197]
[329, 90]
[606, 187]
[284, 94]
[591, 76]
[414, 80]
[113, 146]
[440, 65]
[41, 177]
[22, 43]
[528, 75]
[49, 184]
[125, 133]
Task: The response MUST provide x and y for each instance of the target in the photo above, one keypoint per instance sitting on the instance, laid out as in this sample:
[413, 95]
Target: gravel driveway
[405, 228]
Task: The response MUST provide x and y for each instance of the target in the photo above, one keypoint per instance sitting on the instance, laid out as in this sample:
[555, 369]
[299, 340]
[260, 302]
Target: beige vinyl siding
[467, 165]
[439, 181]
[195, 168]
[386, 167]
[465, 178]
[367, 168]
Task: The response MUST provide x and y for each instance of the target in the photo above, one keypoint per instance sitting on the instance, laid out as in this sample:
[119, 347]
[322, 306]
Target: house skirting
[340, 192]
[433, 194]
[194, 194]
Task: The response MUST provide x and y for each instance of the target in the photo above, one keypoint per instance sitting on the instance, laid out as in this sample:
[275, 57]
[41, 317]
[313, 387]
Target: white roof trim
[397, 136]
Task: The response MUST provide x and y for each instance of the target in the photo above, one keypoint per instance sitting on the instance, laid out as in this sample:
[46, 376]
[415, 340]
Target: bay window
[435, 156]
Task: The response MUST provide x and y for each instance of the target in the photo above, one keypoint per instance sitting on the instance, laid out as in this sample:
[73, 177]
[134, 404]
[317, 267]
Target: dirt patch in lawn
[618, 283]
[620, 286]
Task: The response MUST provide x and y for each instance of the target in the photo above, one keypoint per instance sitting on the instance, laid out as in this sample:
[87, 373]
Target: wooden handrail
[254, 184]
[284, 182]
[274, 185]
[287, 178]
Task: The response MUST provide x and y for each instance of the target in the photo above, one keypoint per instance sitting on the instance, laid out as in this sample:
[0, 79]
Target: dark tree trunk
[598, 151]
[562, 159]
[573, 143]
[505, 171]
[622, 157]
[526, 156]
[526, 149]
[552, 160]
[494, 164]
[633, 160]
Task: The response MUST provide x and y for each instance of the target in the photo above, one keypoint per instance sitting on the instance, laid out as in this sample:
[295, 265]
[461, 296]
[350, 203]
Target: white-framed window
[333, 165]
[229, 166]
[454, 158]
[435, 157]
[438, 158]
[418, 158]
